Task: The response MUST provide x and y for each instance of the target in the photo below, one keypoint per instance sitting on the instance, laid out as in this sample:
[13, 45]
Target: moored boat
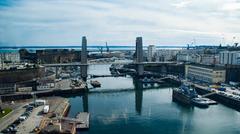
[95, 83]
[184, 94]
[200, 102]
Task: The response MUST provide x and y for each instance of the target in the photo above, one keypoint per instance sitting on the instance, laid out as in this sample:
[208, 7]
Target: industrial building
[204, 73]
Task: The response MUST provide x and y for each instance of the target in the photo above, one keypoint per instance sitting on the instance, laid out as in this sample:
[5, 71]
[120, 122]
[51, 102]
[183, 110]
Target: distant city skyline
[119, 22]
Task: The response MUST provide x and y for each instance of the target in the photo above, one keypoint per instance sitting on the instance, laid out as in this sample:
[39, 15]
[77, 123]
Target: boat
[209, 101]
[95, 83]
[200, 102]
[184, 94]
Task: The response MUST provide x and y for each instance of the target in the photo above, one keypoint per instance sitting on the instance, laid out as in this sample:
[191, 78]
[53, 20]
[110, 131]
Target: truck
[46, 109]
[40, 102]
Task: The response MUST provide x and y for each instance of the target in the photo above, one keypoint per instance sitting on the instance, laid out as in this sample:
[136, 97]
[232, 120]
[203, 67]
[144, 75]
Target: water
[121, 106]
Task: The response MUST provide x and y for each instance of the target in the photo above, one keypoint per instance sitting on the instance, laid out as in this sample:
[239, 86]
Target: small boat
[95, 83]
[209, 101]
[200, 102]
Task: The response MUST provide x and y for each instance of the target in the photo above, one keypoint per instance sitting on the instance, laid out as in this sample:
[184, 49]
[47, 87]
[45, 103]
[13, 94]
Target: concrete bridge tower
[84, 58]
[139, 56]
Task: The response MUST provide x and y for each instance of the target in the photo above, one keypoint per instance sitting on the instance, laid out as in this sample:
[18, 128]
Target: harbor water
[123, 106]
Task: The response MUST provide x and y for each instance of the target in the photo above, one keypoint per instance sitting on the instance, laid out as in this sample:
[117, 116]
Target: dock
[45, 93]
[67, 124]
[221, 98]
[83, 117]
[81, 121]
[111, 75]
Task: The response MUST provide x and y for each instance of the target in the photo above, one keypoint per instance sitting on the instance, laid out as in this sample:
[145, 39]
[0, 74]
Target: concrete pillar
[84, 50]
[140, 69]
[139, 55]
[139, 49]
[84, 69]
[84, 58]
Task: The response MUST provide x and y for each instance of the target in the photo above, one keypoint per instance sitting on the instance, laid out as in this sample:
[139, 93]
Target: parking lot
[11, 117]
[23, 120]
[31, 122]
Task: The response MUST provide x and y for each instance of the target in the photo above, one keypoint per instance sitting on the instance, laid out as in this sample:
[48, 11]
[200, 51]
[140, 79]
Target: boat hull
[180, 97]
[198, 104]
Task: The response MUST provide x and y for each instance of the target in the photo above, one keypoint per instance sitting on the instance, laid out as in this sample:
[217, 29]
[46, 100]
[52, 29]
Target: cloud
[234, 6]
[168, 22]
[182, 4]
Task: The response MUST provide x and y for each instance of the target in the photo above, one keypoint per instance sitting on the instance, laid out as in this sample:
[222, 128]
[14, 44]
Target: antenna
[194, 42]
[107, 47]
[232, 43]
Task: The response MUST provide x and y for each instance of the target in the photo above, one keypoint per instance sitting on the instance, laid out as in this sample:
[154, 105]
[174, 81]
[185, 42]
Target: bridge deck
[102, 63]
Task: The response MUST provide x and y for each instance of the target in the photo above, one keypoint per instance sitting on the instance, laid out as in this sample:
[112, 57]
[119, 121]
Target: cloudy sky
[119, 22]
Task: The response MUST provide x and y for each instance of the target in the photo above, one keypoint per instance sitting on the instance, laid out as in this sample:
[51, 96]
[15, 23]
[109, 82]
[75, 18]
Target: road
[10, 118]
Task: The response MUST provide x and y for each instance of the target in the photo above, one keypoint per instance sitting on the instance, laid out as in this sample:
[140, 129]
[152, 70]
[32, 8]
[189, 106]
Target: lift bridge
[84, 63]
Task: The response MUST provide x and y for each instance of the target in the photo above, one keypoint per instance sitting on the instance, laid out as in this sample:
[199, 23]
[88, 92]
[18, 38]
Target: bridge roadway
[102, 63]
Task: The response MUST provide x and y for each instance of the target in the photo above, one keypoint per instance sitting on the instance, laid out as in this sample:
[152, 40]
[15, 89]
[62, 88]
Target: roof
[214, 67]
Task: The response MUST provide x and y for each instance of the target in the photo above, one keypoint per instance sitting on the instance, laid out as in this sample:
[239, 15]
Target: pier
[221, 98]
[45, 93]
[81, 121]
[83, 117]
[96, 76]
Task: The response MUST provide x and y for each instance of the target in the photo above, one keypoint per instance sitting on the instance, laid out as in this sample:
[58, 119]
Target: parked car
[22, 118]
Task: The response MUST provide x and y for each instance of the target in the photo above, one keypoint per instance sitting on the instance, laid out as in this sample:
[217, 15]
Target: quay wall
[58, 92]
[225, 100]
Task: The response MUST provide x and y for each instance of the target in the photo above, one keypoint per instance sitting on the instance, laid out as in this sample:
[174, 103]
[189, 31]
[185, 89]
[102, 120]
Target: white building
[229, 57]
[205, 73]
[13, 57]
[151, 52]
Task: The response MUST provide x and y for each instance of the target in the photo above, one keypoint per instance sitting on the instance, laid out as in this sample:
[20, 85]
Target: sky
[119, 22]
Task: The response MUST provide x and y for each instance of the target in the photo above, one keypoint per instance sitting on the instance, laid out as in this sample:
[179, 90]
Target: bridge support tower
[139, 56]
[84, 65]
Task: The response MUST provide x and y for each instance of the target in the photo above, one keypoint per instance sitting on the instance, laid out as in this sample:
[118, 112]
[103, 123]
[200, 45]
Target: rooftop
[214, 67]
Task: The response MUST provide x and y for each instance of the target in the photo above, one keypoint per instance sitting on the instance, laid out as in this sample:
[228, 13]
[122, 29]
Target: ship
[95, 83]
[184, 94]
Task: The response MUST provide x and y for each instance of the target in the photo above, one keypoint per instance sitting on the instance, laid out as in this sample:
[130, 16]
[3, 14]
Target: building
[186, 57]
[45, 84]
[19, 75]
[7, 88]
[49, 56]
[232, 73]
[209, 59]
[151, 52]
[28, 56]
[229, 57]
[166, 55]
[204, 73]
[9, 57]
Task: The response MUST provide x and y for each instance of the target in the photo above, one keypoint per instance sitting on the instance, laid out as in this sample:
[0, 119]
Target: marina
[119, 67]
[140, 101]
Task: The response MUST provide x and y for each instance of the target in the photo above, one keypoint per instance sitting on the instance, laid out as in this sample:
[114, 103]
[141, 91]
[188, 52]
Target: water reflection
[85, 102]
[138, 87]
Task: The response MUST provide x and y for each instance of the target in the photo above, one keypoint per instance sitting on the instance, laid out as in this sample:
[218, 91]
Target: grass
[7, 110]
